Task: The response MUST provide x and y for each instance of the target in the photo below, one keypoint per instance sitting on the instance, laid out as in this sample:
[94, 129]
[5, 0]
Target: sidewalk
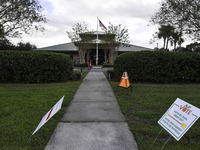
[93, 121]
[95, 69]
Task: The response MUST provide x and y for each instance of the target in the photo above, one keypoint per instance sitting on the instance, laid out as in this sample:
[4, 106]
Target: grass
[146, 104]
[22, 106]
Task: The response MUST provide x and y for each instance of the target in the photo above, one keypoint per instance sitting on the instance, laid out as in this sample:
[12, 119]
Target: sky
[63, 14]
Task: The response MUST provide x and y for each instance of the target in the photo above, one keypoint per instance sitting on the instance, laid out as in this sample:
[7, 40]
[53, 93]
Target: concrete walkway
[93, 121]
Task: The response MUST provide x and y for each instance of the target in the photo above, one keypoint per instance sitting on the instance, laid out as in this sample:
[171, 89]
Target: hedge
[107, 65]
[76, 75]
[81, 65]
[158, 66]
[34, 67]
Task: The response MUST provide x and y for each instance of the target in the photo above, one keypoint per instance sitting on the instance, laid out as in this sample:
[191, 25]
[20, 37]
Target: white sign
[48, 115]
[179, 118]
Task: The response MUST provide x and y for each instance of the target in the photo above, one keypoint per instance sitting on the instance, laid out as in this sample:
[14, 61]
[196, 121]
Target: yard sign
[50, 114]
[179, 118]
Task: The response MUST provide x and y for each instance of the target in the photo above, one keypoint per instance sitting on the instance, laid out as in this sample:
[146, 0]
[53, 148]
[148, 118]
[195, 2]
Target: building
[86, 48]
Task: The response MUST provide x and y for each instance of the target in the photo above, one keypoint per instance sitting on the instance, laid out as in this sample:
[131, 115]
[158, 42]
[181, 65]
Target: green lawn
[146, 104]
[22, 106]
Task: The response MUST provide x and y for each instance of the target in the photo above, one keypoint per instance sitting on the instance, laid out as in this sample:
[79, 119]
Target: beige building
[86, 49]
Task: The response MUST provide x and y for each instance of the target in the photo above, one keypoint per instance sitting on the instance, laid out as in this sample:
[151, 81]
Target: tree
[1, 32]
[181, 49]
[169, 34]
[82, 43]
[194, 47]
[165, 32]
[78, 28]
[83, 38]
[20, 16]
[5, 44]
[121, 33]
[116, 36]
[182, 14]
[176, 39]
[25, 46]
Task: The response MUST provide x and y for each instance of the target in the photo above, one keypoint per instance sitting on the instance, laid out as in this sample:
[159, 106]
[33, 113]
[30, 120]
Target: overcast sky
[63, 14]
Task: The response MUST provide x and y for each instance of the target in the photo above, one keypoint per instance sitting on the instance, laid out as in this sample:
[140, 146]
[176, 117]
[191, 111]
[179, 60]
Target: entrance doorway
[101, 57]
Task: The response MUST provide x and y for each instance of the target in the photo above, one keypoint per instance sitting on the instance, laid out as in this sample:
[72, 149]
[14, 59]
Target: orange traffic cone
[124, 82]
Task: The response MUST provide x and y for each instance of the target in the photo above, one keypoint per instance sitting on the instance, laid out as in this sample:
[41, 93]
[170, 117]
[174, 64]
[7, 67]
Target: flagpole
[97, 43]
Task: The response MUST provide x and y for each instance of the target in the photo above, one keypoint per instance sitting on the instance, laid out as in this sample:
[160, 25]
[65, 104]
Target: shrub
[107, 65]
[34, 67]
[76, 75]
[159, 66]
[80, 65]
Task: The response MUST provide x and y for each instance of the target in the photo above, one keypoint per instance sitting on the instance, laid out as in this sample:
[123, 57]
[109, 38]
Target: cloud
[47, 7]
[63, 14]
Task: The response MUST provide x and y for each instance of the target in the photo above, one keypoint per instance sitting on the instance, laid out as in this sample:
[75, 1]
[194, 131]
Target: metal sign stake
[29, 140]
[157, 137]
[166, 142]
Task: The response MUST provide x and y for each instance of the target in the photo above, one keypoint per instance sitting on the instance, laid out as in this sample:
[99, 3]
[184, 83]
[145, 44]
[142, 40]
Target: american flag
[102, 25]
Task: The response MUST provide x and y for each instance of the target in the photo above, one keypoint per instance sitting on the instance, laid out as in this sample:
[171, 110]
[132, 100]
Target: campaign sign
[49, 114]
[179, 118]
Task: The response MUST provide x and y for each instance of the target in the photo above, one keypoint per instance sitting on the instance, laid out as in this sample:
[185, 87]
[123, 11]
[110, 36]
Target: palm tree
[165, 32]
[177, 38]
[180, 41]
[162, 35]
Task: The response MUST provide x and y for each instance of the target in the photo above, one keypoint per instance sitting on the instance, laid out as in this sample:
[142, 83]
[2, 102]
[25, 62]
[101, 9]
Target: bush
[34, 67]
[107, 65]
[159, 66]
[80, 65]
[76, 75]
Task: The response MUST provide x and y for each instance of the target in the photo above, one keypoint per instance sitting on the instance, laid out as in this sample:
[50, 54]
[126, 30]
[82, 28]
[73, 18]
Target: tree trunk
[167, 44]
[105, 55]
[175, 45]
[111, 56]
[164, 43]
[80, 56]
[83, 56]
